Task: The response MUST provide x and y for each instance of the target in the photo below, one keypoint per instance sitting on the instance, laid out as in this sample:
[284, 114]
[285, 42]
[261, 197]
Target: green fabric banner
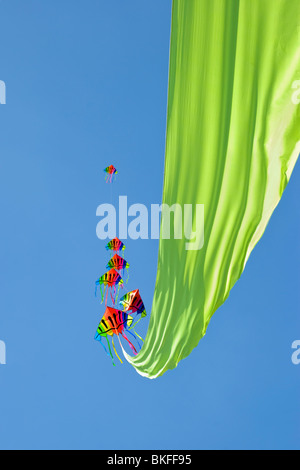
[233, 138]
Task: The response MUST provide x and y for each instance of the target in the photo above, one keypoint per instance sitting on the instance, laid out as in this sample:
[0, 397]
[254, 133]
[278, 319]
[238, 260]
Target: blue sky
[86, 87]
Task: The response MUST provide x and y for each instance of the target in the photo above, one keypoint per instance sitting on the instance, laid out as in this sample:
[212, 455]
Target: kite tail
[124, 352]
[106, 295]
[131, 328]
[116, 350]
[135, 338]
[118, 292]
[137, 335]
[127, 275]
[112, 357]
[98, 338]
[130, 344]
[113, 295]
[102, 292]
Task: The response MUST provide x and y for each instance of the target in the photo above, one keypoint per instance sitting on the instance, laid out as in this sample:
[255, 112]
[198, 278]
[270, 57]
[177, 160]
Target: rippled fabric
[233, 138]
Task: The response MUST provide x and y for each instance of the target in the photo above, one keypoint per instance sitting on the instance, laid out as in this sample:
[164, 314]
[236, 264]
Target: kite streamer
[233, 139]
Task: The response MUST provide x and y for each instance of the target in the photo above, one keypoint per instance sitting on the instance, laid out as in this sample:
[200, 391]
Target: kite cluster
[122, 321]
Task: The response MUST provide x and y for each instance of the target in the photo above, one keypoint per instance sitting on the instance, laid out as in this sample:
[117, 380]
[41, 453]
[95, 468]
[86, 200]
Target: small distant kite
[115, 245]
[110, 280]
[114, 322]
[111, 172]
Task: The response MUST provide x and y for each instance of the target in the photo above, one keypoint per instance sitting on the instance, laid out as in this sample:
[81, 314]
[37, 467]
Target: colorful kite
[119, 264]
[132, 302]
[114, 322]
[111, 172]
[110, 280]
[115, 245]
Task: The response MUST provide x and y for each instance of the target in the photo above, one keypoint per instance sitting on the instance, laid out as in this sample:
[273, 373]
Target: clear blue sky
[86, 87]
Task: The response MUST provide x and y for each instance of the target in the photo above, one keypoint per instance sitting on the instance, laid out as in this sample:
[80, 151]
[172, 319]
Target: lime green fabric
[233, 138]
